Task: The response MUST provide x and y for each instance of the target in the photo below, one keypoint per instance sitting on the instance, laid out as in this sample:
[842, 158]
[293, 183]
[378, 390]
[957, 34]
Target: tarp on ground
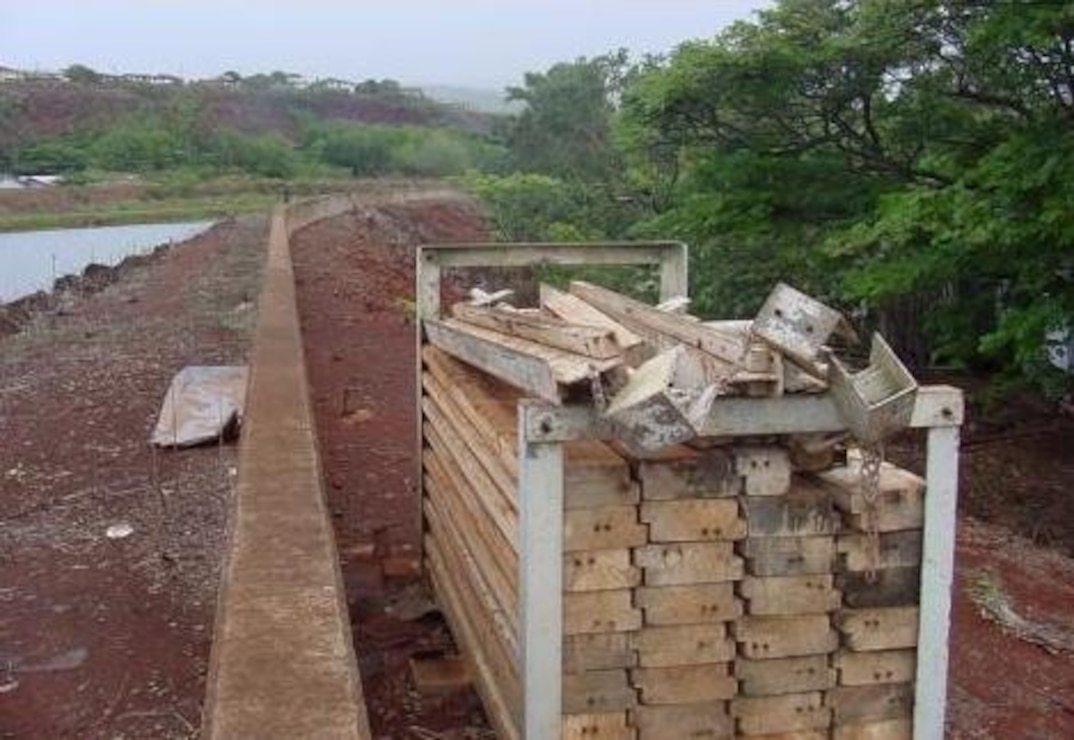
[201, 404]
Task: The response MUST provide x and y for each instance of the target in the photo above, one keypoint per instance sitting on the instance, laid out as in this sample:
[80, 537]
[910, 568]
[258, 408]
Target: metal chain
[872, 460]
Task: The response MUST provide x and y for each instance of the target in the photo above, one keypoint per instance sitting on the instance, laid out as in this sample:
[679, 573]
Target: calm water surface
[32, 260]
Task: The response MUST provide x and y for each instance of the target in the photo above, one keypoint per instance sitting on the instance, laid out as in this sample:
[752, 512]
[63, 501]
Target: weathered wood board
[603, 528]
[885, 587]
[597, 692]
[685, 684]
[784, 675]
[805, 511]
[688, 563]
[784, 637]
[599, 611]
[876, 666]
[706, 721]
[677, 645]
[882, 701]
[599, 570]
[693, 520]
[882, 729]
[759, 715]
[895, 550]
[597, 651]
[765, 470]
[881, 628]
[790, 595]
[788, 556]
[603, 726]
[680, 472]
[692, 604]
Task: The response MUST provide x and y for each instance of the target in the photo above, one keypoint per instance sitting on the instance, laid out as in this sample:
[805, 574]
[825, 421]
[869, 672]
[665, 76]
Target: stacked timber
[786, 636]
[879, 556]
[685, 672]
[713, 586]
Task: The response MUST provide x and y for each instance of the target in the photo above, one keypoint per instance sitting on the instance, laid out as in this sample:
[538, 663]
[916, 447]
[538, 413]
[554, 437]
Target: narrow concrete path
[283, 663]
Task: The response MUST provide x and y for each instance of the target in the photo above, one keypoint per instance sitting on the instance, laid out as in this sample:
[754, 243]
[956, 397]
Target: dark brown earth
[110, 638]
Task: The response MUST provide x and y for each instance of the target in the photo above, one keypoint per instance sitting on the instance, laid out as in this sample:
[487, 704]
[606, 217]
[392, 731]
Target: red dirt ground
[103, 638]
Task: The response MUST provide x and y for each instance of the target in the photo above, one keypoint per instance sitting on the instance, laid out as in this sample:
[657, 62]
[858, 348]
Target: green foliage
[80, 73]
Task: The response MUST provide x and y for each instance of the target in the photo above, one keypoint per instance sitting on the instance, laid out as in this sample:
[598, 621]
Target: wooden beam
[589, 341]
[659, 326]
[573, 309]
[524, 364]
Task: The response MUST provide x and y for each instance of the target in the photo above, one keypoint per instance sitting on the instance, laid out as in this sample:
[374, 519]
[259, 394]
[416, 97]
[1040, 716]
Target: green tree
[81, 74]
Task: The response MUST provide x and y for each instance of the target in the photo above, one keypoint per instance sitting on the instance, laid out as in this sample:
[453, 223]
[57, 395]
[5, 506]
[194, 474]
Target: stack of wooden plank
[786, 636]
[880, 558]
[714, 588]
[685, 652]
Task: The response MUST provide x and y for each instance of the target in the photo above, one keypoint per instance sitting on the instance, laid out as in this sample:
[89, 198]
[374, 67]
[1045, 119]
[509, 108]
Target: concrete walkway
[283, 663]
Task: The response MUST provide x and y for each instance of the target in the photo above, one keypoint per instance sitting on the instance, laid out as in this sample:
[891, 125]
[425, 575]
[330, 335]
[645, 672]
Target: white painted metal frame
[543, 427]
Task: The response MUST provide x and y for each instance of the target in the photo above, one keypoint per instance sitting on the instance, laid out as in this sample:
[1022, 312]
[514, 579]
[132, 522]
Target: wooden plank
[603, 726]
[589, 341]
[597, 651]
[765, 470]
[465, 472]
[492, 682]
[690, 684]
[705, 721]
[790, 595]
[595, 475]
[694, 604]
[784, 675]
[524, 364]
[440, 676]
[882, 729]
[483, 445]
[793, 735]
[575, 310]
[645, 409]
[597, 692]
[760, 715]
[887, 587]
[599, 611]
[878, 666]
[599, 570]
[883, 701]
[696, 520]
[682, 472]
[540, 493]
[894, 550]
[656, 325]
[693, 644]
[882, 628]
[499, 627]
[674, 272]
[688, 563]
[788, 556]
[900, 504]
[761, 638]
[806, 510]
[604, 528]
[490, 405]
[497, 561]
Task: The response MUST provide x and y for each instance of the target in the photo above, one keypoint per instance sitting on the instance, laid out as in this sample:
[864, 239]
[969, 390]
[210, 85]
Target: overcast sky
[461, 42]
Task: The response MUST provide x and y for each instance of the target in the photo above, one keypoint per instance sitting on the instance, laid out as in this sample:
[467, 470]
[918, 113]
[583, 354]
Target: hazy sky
[464, 42]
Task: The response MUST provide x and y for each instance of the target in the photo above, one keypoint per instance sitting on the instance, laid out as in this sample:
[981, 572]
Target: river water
[32, 260]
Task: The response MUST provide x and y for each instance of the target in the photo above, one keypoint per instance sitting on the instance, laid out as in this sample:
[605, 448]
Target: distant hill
[34, 109]
[482, 100]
